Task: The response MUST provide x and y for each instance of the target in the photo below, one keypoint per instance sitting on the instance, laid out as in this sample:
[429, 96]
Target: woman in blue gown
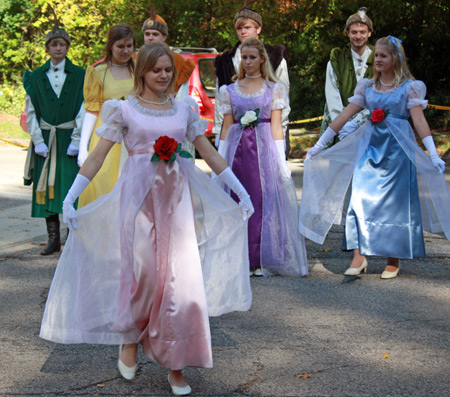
[396, 191]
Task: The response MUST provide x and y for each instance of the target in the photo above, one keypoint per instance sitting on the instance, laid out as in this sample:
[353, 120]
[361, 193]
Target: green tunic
[54, 111]
[342, 62]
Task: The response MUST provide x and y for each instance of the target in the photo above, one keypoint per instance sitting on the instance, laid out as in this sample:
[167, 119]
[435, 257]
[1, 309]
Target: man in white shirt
[345, 68]
[248, 24]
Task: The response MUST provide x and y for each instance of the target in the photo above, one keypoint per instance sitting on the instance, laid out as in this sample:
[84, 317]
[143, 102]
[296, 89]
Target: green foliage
[12, 98]
[309, 30]
[439, 119]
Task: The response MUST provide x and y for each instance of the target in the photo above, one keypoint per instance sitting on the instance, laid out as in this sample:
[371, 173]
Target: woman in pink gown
[143, 264]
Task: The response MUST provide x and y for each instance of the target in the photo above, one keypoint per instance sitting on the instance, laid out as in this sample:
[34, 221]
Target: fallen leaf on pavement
[385, 355]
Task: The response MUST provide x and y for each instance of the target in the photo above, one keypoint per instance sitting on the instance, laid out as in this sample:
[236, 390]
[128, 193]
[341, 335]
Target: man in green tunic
[54, 99]
[346, 67]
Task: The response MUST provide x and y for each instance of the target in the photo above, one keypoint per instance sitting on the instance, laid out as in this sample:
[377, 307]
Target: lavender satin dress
[275, 244]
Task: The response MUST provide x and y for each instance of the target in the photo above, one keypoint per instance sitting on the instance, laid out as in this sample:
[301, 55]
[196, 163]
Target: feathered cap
[56, 32]
[359, 17]
[246, 12]
[155, 22]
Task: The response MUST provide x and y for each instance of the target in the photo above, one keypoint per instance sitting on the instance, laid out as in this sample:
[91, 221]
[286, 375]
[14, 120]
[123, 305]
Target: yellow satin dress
[99, 86]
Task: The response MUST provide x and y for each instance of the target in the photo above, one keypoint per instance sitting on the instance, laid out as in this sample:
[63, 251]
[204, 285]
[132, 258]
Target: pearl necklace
[386, 85]
[119, 65]
[252, 77]
[155, 103]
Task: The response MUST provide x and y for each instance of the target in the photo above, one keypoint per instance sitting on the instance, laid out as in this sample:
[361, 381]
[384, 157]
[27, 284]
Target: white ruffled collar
[151, 112]
[365, 55]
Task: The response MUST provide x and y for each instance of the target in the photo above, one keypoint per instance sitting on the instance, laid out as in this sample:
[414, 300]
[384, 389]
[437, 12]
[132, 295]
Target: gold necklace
[155, 103]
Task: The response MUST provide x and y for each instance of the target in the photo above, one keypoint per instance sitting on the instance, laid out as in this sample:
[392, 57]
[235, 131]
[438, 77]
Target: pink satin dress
[143, 259]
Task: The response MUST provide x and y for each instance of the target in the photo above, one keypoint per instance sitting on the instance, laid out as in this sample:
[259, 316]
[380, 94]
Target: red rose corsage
[166, 149]
[378, 115]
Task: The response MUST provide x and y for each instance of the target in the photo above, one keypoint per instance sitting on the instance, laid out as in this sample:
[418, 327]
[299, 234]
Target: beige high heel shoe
[386, 275]
[355, 271]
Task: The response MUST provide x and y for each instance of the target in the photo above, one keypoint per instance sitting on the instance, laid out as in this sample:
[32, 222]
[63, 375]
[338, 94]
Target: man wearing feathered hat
[248, 24]
[345, 68]
[54, 99]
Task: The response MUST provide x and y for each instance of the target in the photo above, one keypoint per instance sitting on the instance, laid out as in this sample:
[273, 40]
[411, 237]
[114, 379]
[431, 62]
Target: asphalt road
[322, 335]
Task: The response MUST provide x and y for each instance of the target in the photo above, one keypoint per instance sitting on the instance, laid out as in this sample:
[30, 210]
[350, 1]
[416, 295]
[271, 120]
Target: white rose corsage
[250, 118]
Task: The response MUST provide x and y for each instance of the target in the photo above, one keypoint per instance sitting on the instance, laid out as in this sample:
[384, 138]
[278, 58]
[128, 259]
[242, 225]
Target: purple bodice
[243, 102]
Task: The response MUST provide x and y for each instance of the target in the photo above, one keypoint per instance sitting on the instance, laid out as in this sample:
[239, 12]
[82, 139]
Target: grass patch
[303, 142]
[10, 128]
[300, 144]
[442, 142]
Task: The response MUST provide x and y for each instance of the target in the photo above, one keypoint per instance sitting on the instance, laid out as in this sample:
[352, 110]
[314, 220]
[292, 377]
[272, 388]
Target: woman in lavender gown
[252, 143]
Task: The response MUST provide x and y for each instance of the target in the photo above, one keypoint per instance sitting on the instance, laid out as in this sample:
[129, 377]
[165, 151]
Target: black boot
[54, 242]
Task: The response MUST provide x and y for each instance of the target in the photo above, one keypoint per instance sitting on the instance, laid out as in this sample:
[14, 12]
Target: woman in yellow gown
[112, 78]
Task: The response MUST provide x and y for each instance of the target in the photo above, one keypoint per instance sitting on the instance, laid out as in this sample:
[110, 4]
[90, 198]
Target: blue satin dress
[383, 218]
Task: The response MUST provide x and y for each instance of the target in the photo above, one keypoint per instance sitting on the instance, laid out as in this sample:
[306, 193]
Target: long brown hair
[116, 33]
[146, 60]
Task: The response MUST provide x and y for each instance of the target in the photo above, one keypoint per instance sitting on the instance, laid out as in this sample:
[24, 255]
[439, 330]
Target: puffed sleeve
[359, 96]
[279, 96]
[225, 101]
[93, 90]
[195, 125]
[416, 92]
[114, 126]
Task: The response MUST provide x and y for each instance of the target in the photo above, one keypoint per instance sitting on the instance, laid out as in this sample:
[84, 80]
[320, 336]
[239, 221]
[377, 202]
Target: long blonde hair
[267, 72]
[399, 64]
[146, 60]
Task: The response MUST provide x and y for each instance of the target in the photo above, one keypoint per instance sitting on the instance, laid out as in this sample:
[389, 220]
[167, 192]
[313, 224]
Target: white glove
[72, 150]
[282, 157]
[437, 162]
[347, 129]
[227, 177]
[69, 213]
[41, 149]
[86, 132]
[222, 149]
[326, 137]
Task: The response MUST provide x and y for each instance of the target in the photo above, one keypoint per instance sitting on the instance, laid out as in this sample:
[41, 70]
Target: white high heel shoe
[179, 391]
[127, 372]
[355, 271]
